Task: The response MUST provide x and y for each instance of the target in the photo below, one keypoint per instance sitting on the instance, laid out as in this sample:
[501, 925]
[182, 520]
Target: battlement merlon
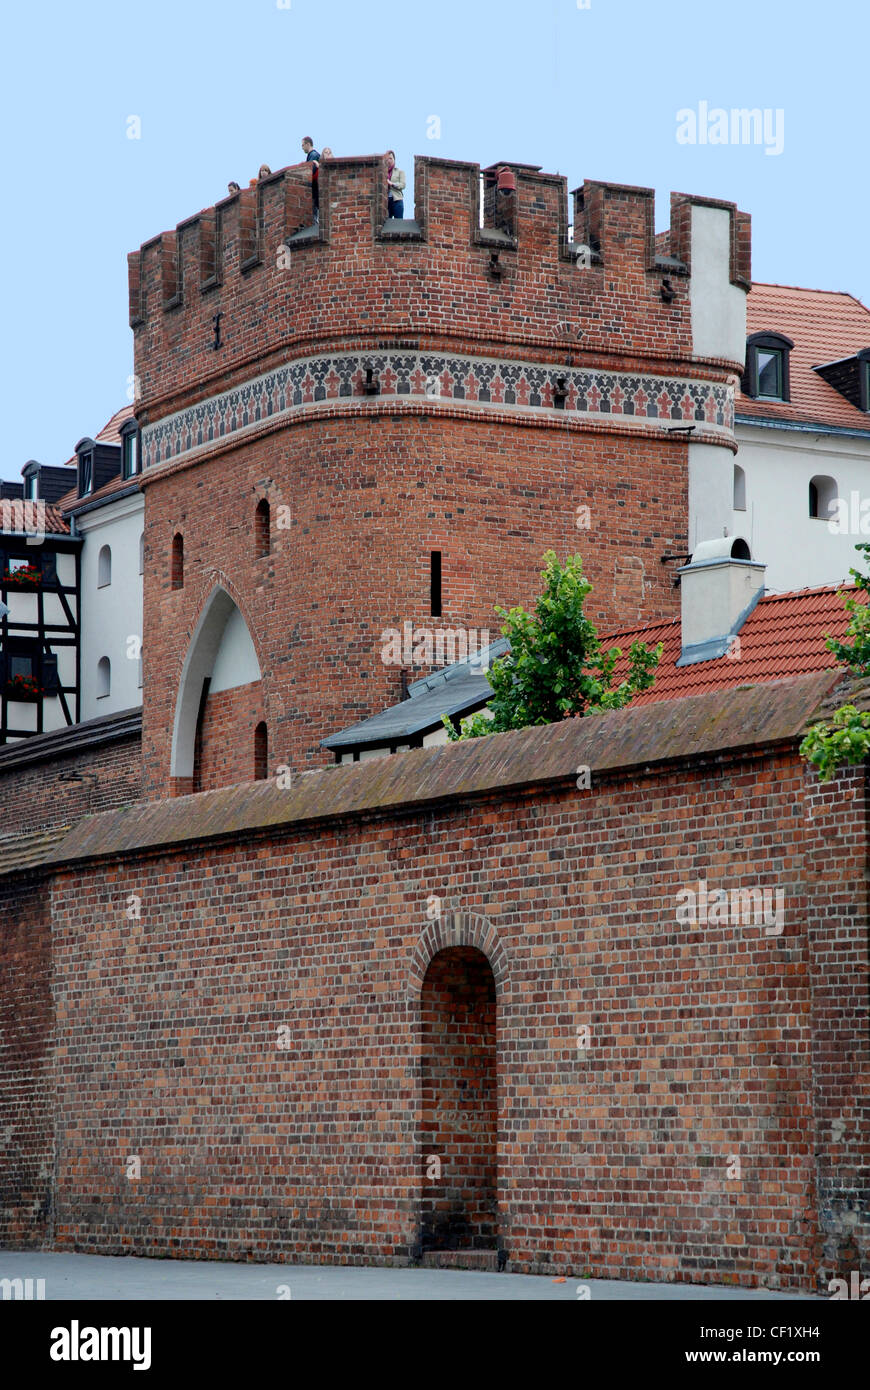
[253, 280]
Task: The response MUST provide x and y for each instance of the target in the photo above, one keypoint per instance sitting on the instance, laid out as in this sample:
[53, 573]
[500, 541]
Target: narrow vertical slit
[435, 584]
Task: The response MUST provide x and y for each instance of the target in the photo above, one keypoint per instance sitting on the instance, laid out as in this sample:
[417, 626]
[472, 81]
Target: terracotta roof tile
[824, 325]
[784, 635]
[111, 431]
[19, 853]
[19, 517]
[71, 502]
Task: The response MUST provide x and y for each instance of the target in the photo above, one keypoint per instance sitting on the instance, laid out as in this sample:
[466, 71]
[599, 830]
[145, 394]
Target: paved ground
[130, 1277]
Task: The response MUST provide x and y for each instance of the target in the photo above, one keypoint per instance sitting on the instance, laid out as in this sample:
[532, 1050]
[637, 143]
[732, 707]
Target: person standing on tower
[395, 187]
[312, 156]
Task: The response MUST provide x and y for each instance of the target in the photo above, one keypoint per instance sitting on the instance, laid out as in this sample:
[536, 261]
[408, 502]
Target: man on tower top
[312, 156]
[395, 187]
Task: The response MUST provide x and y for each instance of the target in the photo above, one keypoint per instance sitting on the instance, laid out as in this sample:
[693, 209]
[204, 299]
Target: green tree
[556, 666]
[846, 739]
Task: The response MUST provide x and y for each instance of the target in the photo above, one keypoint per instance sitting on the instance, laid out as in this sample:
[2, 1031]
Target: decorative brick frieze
[623, 399]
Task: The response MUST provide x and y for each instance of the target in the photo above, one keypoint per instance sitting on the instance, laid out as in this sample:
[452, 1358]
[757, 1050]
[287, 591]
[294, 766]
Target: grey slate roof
[74, 738]
[456, 689]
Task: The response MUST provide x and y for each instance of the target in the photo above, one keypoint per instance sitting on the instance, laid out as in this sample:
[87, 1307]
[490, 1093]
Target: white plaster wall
[52, 714]
[236, 661]
[718, 307]
[112, 614]
[799, 551]
[65, 562]
[21, 714]
[711, 478]
[436, 739]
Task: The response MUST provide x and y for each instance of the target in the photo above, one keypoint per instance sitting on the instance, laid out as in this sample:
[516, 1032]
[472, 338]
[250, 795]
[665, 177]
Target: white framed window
[823, 491]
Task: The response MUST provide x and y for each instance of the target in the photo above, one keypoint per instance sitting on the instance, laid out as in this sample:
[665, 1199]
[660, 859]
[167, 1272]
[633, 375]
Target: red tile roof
[111, 431]
[71, 502]
[109, 434]
[784, 635]
[824, 326]
[18, 517]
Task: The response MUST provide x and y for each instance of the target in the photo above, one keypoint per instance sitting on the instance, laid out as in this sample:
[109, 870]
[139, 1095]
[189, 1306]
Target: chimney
[718, 590]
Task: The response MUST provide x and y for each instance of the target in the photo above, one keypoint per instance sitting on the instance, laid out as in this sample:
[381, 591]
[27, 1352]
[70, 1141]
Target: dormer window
[85, 450]
[31, 486]
[129, 449]
[769, 366]
[851, 377]
[767, 377]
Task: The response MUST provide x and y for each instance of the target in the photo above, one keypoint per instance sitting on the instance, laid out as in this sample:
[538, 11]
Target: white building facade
[112, 559]
[798, 489]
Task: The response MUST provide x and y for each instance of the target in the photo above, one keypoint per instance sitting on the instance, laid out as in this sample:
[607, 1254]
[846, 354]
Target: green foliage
[556, 667]
[856, 653]
[847, 738]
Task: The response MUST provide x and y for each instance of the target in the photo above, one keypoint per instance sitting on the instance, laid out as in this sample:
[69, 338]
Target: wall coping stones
[725, 721]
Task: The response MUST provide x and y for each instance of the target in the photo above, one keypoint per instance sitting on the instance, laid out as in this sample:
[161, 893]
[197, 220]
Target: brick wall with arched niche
[458, 968]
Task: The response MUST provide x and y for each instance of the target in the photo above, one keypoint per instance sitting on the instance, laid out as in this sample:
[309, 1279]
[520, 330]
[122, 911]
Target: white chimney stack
[718, 591]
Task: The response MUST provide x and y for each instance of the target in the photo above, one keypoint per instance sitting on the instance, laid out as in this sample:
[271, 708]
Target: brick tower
[326, 408]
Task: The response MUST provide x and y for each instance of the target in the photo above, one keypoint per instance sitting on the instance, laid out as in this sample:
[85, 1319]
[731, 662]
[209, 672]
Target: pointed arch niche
[219, 701]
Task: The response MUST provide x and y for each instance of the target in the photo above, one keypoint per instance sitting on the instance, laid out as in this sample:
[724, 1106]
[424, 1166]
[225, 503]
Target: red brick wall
[459, 1110]
[26, 1092]
[614, 1162]
[838, 910]
[226, 742]
[373, 488]
[369, 499]
[352, 283]
[36, 795]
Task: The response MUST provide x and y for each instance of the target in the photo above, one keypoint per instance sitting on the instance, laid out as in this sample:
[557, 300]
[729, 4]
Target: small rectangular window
[20, 665]
[769, 366]
[435, 584]
[86, 466]
[50, 682]
[130, 455]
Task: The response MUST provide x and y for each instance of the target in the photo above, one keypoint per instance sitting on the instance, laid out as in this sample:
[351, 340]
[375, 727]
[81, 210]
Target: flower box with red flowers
[22, 688]
[28, 576]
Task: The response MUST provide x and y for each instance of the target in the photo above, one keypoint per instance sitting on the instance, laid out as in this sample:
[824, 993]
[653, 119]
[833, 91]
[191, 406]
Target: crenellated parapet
[484, 272]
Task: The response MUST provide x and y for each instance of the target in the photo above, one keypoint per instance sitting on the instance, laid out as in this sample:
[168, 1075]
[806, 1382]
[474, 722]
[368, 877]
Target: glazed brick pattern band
[629, 398]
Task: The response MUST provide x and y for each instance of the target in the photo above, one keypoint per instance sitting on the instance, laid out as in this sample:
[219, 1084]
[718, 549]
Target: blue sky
[221, 86]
